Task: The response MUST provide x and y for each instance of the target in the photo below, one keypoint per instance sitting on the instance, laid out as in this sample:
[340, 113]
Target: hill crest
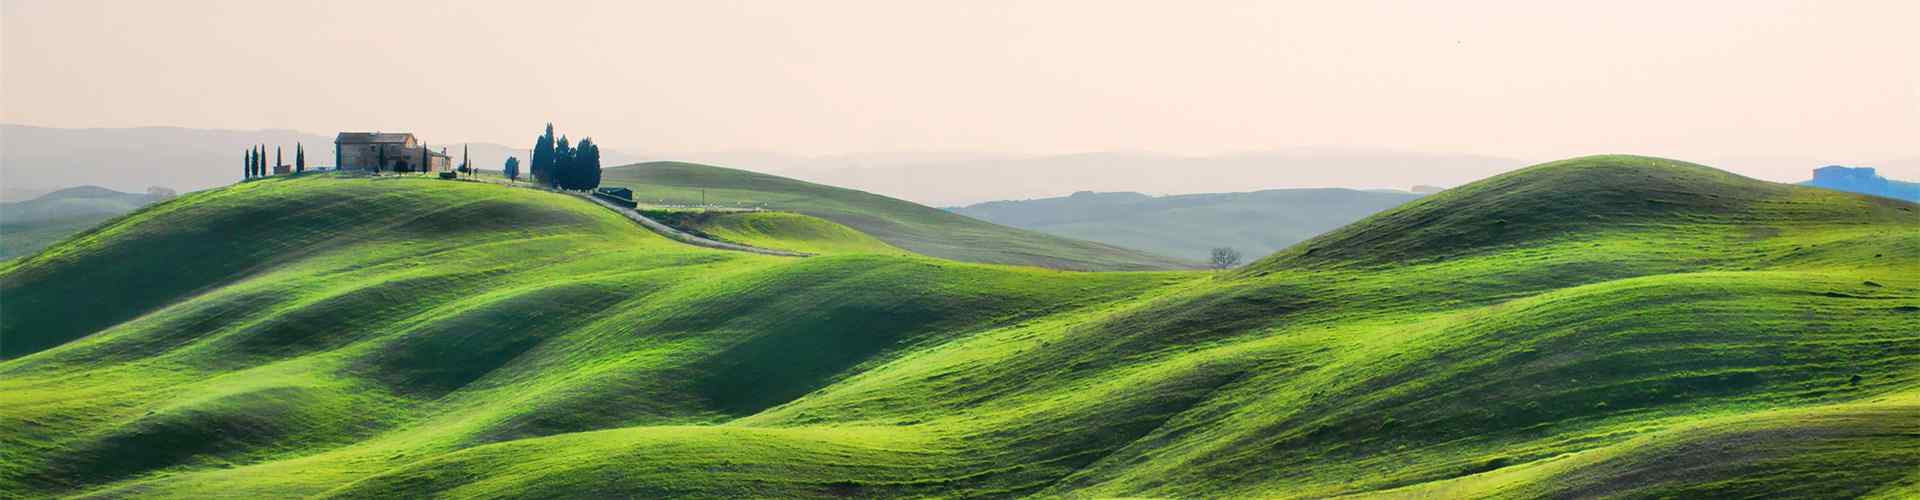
[1578, 195]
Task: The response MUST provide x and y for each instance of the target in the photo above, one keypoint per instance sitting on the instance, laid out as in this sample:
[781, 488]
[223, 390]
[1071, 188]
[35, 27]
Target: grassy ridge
[776, 230]
[920, 229]
[1628, 353]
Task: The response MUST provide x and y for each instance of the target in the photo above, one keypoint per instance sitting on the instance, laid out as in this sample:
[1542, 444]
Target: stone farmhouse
[387, 152]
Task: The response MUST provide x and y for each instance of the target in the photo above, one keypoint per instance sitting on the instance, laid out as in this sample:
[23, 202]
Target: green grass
[916, 228]
[401, 338]
[776, 230]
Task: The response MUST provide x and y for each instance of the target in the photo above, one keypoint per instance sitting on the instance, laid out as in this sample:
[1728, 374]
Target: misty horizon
[1703, 82]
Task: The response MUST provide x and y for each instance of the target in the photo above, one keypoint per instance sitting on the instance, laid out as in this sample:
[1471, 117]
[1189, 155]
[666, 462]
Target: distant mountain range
[986, 178]
[28, 226]
[1863, 180]
[1188, 226]
[38, 160]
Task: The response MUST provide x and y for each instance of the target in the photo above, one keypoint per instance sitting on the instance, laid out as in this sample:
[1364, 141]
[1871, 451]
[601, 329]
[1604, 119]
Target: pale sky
[1834, 80]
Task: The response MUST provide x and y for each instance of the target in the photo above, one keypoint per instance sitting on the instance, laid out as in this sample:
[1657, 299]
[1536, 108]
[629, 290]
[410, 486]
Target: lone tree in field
[1223, 258]
[512, 169]
[299, 158]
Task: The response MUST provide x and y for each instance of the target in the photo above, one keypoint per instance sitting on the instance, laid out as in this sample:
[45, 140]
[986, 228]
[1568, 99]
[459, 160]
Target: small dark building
[618, 195]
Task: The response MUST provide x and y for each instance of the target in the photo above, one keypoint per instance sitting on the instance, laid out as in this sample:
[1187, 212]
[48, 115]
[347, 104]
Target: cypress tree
[562, 168]
[247, 173]
[587, 164]
[299, 157]
[541, 162]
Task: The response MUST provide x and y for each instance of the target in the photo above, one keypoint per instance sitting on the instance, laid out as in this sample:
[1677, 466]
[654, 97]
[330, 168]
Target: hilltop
[186, 159]
[1598, 198]
[1665, 330]
[917, 228]
[1256, 223]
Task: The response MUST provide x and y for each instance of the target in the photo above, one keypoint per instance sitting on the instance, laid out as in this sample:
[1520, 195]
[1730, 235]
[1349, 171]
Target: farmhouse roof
[372, 137]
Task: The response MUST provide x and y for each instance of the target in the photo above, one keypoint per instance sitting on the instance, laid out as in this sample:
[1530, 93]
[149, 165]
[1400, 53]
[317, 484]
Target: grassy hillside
[1737, 338]
[28, 226]
[776, 230]
[920, 229]
[1256, 223]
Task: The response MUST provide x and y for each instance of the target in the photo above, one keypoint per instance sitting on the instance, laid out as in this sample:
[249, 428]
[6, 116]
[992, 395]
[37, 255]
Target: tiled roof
[372, 138]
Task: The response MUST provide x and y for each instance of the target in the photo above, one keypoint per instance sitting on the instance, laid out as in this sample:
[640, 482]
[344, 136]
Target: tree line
[563, 166]
[256, 161]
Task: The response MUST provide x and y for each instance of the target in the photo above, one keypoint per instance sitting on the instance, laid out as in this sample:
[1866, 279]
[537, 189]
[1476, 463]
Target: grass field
[776, 230]
[906, 225]
[1603, 326]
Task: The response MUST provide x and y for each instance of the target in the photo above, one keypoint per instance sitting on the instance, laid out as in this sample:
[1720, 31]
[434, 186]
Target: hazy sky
[1835, 80]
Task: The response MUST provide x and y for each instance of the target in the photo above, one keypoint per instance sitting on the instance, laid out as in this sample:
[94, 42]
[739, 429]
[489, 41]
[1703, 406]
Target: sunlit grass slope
[790, 231]
[1758, 340]
[917, 228]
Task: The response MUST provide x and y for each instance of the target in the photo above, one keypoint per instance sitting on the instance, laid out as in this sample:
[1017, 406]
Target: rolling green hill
[917, 228]
[28, 226]
[776, 230]
[1621, 326]
[1256, 223]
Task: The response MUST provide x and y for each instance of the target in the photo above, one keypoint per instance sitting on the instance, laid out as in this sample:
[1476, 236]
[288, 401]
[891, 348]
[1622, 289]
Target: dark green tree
[299, 158]
[542, 157]
[511, 169]
[586, 164]
[277, 159]
[562, 168]
[247, 173]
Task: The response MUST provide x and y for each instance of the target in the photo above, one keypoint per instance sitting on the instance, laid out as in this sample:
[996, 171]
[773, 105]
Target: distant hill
[917, 228]
[955, 182]
[1188, 226]
[28, 226]
[1863, 180]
